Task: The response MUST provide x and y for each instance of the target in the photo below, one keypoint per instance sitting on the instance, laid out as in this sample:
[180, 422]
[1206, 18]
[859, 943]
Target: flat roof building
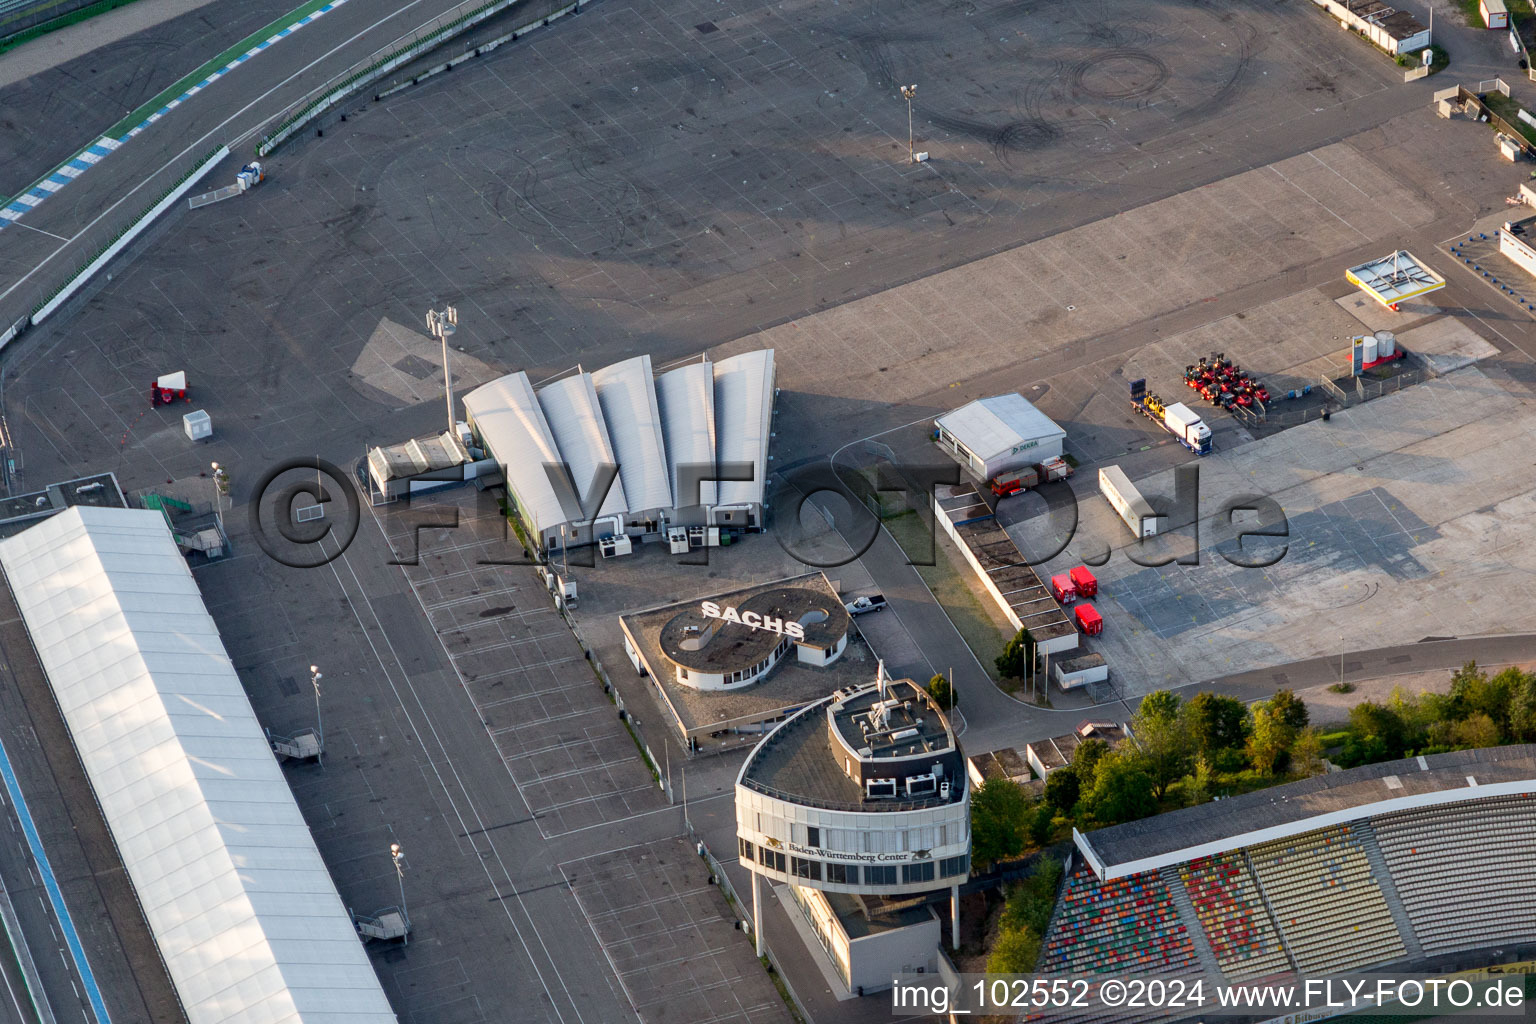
[736, 664]
[21, 511]
[993, 435]
[240, 904]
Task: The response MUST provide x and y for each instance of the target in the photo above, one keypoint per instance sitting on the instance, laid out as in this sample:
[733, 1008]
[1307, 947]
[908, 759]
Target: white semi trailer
[1127, 501]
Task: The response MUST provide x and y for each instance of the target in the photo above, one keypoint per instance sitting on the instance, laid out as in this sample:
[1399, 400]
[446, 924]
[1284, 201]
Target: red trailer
[1089, 620]
[168, 387]
[1086, 583]
[1063, 589]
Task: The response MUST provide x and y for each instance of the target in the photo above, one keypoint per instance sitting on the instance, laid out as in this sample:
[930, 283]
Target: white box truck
[1127, 501]
[1187, 427]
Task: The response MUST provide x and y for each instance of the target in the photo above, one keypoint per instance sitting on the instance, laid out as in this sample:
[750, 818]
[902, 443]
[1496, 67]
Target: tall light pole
[1341, 662]
[398, 856]
[314, 680]
[907, 92]
[442, 323]
[220, 486]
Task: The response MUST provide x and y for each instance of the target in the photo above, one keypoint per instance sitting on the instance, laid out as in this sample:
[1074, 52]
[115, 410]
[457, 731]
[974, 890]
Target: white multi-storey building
[862, 793]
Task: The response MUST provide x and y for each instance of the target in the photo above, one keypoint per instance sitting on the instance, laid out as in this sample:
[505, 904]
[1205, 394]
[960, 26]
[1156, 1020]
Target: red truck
[1015, 481]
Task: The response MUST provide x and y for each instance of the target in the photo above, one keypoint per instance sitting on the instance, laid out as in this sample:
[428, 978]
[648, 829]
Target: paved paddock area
[671, 937]
[560, 737]
[1409, 516]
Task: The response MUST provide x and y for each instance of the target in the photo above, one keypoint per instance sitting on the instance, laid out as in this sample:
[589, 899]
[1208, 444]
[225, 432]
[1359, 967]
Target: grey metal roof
[511, 423]
[994, 426]
[628, 399]
[1310, 804]
[743, 419]
[686, 399]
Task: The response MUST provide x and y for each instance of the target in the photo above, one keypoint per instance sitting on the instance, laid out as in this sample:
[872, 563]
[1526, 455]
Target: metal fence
[21, 20]
[403, 51]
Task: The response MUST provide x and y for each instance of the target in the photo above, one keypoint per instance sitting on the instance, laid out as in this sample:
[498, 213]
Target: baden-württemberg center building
[859, 805]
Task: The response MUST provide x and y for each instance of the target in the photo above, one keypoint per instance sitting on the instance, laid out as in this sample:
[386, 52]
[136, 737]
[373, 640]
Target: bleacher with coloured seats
[1455, 870]
[1326, 900]
[1233, 916]
[1125, 924]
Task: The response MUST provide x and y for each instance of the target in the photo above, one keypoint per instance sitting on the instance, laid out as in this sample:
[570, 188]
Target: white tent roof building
[243, 910]
[700, 414]
[505, 415]
[743, 415]
[993, 435]
[686, 398]
[575, 420]
[634, 426]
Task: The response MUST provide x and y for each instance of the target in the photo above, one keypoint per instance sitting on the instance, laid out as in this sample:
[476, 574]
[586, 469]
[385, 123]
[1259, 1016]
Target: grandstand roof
[575, 419]
[510, 422]
[1297, 807]
[634, 427]
[241, 906]
[743, 415]
[686, 398]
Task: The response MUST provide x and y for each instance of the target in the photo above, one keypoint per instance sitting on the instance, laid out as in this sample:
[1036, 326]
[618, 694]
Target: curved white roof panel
[511, 423]
[743, 416]
[628, 399]
[576, 420]
[241, 906]
[686, 398]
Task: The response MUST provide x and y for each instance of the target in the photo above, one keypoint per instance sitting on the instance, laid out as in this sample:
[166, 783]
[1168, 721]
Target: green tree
[1198, 789]
[1291, 709]
[1042, 823]
[1062, 788]
[1018, 659]
[999, 814]
[1122, 789]
[1269, 739]
[1162, 735]
[1086, 758]
[1215, 722]
[942, 692]
[1378, 729]
[1015, 952]
[1476, 730]
[1522, 709]
[1307, 753]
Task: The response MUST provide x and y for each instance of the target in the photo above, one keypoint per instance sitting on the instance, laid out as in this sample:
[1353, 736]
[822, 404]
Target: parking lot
[670, 937]
[560, 738]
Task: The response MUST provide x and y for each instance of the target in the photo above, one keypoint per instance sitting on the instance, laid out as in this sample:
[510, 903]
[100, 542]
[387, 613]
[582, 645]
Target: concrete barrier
[134, 230]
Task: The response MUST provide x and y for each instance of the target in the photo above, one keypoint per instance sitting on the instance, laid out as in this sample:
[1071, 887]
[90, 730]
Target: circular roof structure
[716, 637]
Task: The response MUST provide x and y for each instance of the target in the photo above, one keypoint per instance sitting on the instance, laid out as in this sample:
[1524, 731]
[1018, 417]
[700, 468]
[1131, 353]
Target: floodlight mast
[907, 92]
[442, 323]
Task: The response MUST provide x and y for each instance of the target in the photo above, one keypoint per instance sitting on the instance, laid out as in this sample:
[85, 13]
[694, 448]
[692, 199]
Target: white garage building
[240, 905]
[662, 433]
[993, 435]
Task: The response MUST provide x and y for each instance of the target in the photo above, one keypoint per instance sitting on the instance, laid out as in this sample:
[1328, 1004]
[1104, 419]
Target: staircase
[1367, 836]
[1209, 965]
